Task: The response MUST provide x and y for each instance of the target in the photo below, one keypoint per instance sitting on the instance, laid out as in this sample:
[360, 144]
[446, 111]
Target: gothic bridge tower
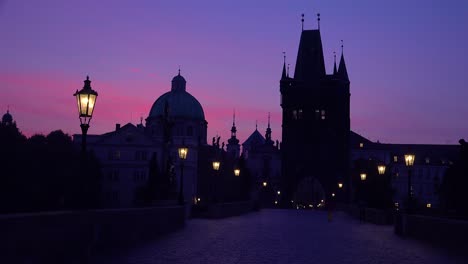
[315, 125]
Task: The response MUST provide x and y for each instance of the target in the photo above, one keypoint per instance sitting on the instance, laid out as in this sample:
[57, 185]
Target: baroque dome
[7, 118]
[179, 102]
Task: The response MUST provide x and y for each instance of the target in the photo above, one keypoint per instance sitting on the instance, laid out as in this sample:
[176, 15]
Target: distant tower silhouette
[268, 140]
[233, 147]
[316, 122]
[7, 119]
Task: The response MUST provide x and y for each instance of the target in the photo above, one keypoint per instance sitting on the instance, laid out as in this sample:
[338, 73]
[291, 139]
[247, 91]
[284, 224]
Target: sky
[406, 60]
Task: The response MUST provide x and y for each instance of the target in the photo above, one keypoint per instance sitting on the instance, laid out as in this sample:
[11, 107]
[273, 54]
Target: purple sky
[407, 61]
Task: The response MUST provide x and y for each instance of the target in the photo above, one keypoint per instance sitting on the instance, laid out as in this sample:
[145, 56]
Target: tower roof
[310, 65]
[342, 71]
[7, 118]
[254, 139]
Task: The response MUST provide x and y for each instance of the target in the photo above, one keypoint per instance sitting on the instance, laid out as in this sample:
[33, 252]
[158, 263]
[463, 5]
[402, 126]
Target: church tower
[233, 147]
[315, 125]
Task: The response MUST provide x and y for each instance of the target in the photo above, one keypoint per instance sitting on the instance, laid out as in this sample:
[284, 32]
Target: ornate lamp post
[216, 165]
[381, 169]
[86, 99]
[183, 151]
[409, 160]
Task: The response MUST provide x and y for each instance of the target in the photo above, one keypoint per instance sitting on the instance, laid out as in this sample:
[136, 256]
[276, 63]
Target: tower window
[361, 145]
[299, 114]
[395, 158]
[323, 114]
[294, 114]
[317, 114]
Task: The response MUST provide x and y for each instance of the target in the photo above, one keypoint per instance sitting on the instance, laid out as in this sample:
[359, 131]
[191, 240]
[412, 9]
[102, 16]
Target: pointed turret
[268, 133]
[310, 65]
[335, 71]
[233, 146]
[283, 74]
[342, 72]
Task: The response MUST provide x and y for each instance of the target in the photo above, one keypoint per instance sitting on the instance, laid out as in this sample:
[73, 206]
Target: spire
[256, 125]
[342, 72]
[268, 133]
[287, 74]
[233, 140]
[283, 74]
[268, 119]
[318, 20]
[234, 118]
[335, 71]
[302, 21]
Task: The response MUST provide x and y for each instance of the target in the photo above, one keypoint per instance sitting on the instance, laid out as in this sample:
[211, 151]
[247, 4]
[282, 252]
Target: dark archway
[309, 191]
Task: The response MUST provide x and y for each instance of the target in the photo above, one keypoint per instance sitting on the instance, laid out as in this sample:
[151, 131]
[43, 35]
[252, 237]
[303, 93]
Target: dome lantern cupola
[178, 83]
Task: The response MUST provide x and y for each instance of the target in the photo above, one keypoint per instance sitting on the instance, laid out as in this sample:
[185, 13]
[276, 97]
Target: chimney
[117, 127]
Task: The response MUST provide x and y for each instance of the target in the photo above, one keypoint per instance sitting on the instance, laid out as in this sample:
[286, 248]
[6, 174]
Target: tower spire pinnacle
[342, 71]
[283, 74]
[335, 71]
[256, 124]
[179, 69]
[234, 117]
[268, 119]
[287, 73]
[302, 21]
[318, 20]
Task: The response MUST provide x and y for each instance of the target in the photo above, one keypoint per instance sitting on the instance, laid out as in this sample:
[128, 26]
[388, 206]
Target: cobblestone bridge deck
[283, 236]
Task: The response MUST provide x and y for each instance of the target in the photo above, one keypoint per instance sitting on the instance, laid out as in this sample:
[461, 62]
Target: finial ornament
[179, 69]
[87, 77]
[268, 119]
[302, 20]
[334, 56]
[284, 57]
[342, 46]
[234, 117]
[256, 125]
[318, 20]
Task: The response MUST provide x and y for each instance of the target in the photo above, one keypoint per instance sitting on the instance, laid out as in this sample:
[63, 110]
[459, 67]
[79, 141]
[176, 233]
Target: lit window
[395, 158]
[299, 114]
[294, 113]
[427, 160]
[361, 145]
[323, 114]
[317, 114]
[428, 205]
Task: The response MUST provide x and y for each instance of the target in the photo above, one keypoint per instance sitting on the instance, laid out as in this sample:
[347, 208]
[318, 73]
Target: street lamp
[216, 165]
[381, 169]
[265, 184]
[86, 100]
[363, 176]
[236, 172]
[409, 160]
[183, 151]
[340, 185]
